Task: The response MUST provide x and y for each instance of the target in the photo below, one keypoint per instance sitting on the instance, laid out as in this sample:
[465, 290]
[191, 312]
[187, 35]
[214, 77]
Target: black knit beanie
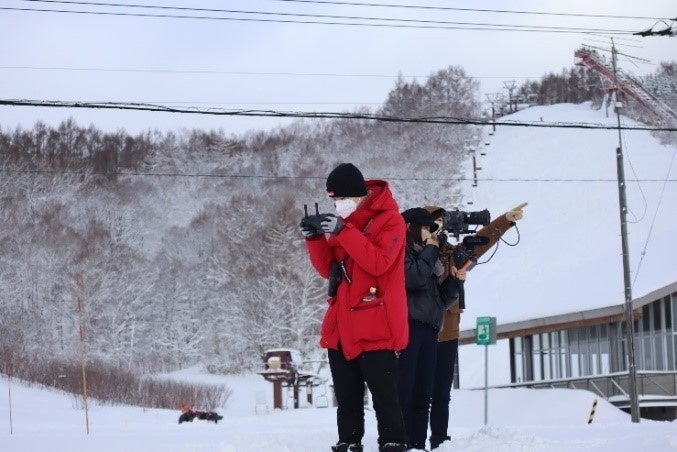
[346, 181]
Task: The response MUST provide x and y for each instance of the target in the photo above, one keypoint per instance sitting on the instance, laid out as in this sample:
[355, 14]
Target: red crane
[628, 85]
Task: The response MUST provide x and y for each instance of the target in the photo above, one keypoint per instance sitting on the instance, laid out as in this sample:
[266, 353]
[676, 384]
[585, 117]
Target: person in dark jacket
[427, 298]
[447, 346]
[361, 251]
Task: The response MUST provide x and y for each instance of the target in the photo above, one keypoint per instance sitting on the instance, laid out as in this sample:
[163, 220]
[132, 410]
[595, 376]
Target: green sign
[485, 333]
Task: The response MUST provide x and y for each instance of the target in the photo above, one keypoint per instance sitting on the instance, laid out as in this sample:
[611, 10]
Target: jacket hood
[380, 197]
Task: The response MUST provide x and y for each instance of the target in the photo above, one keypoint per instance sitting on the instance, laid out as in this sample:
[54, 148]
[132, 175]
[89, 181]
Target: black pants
[378, 369]
[444, 376]
[416, 374]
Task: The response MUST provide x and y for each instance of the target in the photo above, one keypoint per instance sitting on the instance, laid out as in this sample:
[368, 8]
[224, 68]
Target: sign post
[485, 334]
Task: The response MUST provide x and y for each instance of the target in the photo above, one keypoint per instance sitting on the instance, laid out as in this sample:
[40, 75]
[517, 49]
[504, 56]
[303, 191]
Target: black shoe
[393, 447]
[435, 441]
[345, 447]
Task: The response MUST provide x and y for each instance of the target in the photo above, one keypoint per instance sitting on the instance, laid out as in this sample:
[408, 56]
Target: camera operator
[447, 345]
[428, 297]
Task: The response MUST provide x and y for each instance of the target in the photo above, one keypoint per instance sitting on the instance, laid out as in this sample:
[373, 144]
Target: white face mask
[344, 207]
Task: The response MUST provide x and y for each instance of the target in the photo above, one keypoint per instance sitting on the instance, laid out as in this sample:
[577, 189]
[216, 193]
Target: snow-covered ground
[518, 420]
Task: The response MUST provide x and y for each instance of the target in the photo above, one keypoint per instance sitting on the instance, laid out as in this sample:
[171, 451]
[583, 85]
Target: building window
[646, 353]
[605, 359]
[574, 353]
[564, 356]
[657, 324]
[646, 322]
[668, 314]
[519, 362]
[536, 353]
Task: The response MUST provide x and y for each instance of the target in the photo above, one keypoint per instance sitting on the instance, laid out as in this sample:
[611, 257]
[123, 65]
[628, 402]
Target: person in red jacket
[361, 251]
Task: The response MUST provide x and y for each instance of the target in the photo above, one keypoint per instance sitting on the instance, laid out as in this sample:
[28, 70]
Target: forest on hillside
[186, 244]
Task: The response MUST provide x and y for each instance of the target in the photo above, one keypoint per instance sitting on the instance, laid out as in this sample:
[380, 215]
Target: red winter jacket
[371, 246]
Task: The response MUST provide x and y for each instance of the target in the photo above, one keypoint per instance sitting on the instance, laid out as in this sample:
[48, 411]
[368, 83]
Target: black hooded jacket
[427, 298]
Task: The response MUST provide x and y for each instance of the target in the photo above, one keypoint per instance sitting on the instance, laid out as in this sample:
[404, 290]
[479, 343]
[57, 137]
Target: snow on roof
[569, 255]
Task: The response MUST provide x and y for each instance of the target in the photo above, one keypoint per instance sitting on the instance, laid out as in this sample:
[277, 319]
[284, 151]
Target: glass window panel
[518, 345]
[646, 354]
[554, 340]
[545, 345]
[536, 346]
[658, 348]
[538, 375]
[646, 322]
[595, 351]
[674, 311]
[519, 369]
[668, 313]
[605, 358]
[583, 351]
[566, 372]
[573, 335]
[657, 322]
[546, 365]
[556, 369]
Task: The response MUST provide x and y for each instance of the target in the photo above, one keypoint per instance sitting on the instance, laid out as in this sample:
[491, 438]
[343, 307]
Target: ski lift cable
[639, 185]
[653, 221]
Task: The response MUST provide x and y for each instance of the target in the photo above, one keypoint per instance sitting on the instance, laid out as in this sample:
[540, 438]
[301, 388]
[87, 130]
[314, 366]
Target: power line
[449, 8]
[448, 26]
[248, 73]
[446, 120]
[278, 177]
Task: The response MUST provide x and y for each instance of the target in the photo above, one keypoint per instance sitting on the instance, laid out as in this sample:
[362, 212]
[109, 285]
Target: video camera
[457, 222]
[464, 253]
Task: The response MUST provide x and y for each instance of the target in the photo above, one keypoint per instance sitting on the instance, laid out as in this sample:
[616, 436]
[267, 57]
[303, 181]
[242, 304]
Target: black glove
[310, 226]
[331, 224]
[308, 233]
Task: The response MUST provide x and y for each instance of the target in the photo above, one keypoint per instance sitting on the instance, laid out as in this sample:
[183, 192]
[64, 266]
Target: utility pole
[492, 98]
[510, 86]
[629, 321]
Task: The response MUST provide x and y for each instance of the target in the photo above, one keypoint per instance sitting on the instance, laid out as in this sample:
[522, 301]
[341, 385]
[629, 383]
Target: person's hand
[459, 274]
[429, 238]
[516, 213]
[331, 224]
[310, 226]
[308, 232]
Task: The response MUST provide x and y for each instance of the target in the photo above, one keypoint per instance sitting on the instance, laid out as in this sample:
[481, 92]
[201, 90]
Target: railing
[654, 388]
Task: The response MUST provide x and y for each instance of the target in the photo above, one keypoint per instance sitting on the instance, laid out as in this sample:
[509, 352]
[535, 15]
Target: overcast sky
[245, 64]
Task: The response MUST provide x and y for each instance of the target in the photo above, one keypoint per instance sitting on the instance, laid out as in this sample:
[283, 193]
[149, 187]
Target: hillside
[569, 253]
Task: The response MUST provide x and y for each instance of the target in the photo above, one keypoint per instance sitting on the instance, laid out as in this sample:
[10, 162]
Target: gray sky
[283, 66]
